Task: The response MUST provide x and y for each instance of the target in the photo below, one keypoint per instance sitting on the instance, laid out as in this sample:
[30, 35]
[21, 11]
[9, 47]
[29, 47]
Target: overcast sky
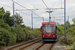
[38, 4]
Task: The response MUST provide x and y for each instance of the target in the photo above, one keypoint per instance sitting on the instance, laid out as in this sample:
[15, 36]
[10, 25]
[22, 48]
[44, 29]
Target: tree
[7, 18]
[18, 19]
[1, 16]
[67, 24]
[73, 20]
[2, 10]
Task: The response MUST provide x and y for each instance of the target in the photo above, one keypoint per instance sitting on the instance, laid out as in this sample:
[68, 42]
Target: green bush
[37, 32]
[60, 29]
[21, 36]
[12, 35]
[4, 25]
[6, 38]
[70, 36]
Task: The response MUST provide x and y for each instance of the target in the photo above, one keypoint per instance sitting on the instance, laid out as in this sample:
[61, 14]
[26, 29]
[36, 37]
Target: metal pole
[68, 21]
[13, 15]
[43, 19]
[49, 17]
[55, 19]
[32, 20]
[65, 19]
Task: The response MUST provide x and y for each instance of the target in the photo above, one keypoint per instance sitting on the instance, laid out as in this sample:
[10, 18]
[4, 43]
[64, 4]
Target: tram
[49, 32]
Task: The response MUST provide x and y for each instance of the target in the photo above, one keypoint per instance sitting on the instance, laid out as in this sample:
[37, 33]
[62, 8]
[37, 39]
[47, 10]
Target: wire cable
[45, 4]
[26, 8]
[61, 3]
[5, 5]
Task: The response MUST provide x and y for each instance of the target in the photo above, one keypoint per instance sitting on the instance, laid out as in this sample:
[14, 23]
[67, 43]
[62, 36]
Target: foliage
[73, 20]
[10, 35]
[1, 13]
[70, 34]
[20, 34]
[7, 18]
[70, 38]
[1, 16]
[2, 9]
[60, 29]
[6, 37]
[18, 19]
[37, 32]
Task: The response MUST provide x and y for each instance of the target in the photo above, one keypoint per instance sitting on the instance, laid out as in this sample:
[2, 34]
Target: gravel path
[58, 45]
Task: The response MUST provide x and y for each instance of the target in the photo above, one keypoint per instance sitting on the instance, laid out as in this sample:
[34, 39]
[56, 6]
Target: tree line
[10, 35]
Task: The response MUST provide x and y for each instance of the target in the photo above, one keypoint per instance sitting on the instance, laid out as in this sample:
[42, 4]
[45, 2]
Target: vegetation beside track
[10, 35]
[70, 38]
[70, 34]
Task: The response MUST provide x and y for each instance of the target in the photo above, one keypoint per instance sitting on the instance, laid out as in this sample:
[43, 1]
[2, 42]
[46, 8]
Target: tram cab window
[48, 28]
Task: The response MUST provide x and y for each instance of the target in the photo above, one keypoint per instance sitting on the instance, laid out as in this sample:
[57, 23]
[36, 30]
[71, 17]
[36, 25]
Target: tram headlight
[43, 35]
[53, 35]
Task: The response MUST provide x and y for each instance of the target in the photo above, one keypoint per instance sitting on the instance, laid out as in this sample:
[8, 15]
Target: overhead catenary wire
[5, 5]
[61, 3]
[26, 8]
[45, 4]
[33, 17]
[52, 8]
[24, 13]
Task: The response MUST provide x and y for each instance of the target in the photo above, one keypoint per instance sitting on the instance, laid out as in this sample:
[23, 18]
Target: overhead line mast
[65, 19]
[13, 15]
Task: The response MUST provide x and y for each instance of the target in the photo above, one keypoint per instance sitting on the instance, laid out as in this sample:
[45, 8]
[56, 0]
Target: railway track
[47, 46]
[35, 44]
[30, 44]
[24, 45]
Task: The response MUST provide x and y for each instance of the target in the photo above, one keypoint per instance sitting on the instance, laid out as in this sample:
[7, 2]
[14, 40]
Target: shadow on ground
[50, 42]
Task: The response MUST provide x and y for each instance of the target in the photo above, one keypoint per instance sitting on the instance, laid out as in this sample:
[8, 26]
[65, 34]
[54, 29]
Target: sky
[57, 14]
